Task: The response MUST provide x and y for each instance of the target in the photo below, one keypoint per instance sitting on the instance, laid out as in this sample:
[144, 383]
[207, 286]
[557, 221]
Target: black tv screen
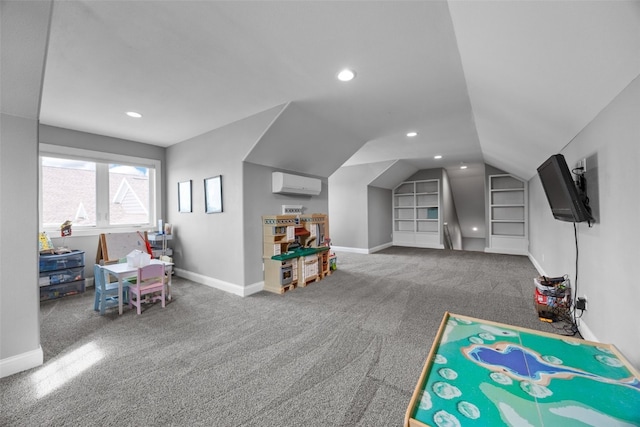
[566, 201]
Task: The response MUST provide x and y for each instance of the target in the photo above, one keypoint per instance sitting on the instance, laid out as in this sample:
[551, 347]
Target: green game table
[482, 373]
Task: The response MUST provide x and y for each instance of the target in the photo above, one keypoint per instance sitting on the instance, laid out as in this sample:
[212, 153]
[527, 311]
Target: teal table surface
[299, 253]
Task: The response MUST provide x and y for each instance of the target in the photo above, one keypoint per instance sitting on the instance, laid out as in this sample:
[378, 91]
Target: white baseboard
[537, 265]
[253, 288]
[380, 247]
[362, 250]
[505, 251]
[586, 333]
[231, 288]
[21, 362]
[351, 250]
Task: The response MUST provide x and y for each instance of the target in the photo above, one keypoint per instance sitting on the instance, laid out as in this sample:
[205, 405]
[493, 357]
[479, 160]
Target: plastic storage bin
[62, 290]
[61, 275]
[58, 262]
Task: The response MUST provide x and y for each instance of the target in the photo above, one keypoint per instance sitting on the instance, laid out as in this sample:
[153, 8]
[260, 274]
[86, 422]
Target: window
[128, 194]
[68, 192]
[97, 190]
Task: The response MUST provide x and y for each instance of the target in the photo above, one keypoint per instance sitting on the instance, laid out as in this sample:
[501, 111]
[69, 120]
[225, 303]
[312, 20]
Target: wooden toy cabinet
[295, 250]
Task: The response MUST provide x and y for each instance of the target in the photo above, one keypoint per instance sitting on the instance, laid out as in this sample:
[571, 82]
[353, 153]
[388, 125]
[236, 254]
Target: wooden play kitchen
[482, 373]
[295, 250]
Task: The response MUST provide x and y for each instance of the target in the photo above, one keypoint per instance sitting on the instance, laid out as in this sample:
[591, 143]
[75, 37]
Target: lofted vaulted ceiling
[502, 82]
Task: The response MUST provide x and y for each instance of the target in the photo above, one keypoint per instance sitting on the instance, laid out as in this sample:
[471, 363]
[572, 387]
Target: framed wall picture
[184, 196]
[213, 194]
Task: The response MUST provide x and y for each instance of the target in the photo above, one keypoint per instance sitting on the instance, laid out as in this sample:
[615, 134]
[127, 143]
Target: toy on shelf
[65, 229]
[44, 243]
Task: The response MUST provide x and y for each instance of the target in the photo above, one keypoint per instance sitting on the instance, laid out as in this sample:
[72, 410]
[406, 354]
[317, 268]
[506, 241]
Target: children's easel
[115, 246]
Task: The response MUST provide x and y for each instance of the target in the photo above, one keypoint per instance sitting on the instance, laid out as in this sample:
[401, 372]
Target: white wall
[468, 187]
[349, 206]
[449, 212]
[609, 255]
[209, 248]
[91, 141]
[24, 27]
[259, 200]
[380, 214]
[19, 294]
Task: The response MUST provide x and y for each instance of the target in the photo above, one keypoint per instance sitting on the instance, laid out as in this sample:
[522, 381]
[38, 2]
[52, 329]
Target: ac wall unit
[285, 183]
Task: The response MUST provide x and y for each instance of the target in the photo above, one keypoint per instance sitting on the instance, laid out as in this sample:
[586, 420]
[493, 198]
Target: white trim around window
[155, 203]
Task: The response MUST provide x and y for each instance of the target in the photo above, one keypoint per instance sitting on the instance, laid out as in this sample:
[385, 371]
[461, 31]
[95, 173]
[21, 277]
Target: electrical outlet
[584, 165]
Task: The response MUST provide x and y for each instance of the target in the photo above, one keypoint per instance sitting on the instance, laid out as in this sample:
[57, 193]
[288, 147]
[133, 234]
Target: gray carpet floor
[345, 351]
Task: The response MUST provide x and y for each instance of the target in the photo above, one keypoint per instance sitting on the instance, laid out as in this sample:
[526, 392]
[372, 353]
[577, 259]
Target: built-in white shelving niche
[508, 215]
[417, 214]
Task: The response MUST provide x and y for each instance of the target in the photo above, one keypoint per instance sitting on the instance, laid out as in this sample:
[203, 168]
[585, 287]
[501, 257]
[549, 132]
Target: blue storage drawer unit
[58, 262]
[62, 290]
[61, 275]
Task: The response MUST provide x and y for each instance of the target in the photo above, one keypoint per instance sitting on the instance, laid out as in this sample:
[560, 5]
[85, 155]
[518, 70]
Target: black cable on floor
[571, 327]
[564, 315]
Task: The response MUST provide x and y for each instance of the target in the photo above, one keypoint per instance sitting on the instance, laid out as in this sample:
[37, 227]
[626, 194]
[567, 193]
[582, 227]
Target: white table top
[125, 268]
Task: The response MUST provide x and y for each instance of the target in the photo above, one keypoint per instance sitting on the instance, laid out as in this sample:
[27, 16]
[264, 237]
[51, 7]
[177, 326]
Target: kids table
[123, 270]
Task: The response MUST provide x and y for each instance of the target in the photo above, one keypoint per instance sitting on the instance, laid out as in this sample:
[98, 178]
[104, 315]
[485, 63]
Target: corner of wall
[21, 362]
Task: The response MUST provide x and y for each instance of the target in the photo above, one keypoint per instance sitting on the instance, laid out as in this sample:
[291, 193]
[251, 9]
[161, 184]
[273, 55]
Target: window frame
[102, 160]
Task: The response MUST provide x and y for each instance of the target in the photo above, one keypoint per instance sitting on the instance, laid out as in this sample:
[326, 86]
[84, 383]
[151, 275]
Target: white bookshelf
[416, 214]
[508, 215]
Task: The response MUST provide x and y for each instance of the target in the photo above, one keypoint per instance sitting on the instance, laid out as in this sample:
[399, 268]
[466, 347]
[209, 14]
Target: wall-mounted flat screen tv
[566, 200]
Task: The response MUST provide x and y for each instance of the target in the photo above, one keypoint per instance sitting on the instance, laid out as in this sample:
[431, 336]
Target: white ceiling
[506, 83]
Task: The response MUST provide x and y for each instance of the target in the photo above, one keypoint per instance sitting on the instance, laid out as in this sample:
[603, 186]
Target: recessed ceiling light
[475, 228]
[346, 75]
[134, 114]
[463, 167]
[411, 134]
[437, 157]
